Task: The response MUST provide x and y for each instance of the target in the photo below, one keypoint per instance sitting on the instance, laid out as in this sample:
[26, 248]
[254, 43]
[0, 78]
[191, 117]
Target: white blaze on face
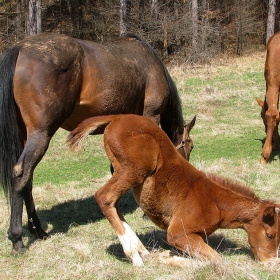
[132, 246]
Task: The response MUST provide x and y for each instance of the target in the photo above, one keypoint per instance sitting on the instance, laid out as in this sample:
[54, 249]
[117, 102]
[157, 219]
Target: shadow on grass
[275, 156]
[81, 212]
[76, 212]
[157, 240]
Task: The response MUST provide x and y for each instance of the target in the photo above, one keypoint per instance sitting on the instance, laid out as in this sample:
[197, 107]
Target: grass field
[228, 139]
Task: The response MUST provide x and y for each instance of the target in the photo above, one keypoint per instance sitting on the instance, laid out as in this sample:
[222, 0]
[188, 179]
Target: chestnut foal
[178, 198]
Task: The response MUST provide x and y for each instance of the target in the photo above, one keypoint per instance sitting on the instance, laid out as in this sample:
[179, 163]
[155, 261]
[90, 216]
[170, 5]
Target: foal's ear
[191, 124]
[260, 102]
[268, 216]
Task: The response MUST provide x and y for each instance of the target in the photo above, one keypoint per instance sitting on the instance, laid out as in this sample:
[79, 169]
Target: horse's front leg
[276, 138]
[181, 236]
[271, 116]
[35, 148]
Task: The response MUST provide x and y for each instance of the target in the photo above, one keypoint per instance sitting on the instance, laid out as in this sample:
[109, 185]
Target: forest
[194, 29]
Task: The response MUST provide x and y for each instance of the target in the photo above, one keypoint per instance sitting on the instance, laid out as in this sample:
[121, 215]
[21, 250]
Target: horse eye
[269, 236]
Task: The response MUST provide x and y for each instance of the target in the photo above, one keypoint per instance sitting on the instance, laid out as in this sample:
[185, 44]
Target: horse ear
[268, 215]
[191, 124]
[260, 102]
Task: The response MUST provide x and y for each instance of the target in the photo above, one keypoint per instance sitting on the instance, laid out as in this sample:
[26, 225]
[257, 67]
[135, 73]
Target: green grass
[228, 138]
[60, 165]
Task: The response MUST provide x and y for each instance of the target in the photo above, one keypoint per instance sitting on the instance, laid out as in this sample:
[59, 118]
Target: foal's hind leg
[108, 198]
[36, 146]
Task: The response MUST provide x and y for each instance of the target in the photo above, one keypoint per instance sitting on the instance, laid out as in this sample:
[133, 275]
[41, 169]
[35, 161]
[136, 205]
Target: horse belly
[101, 94]
[106, 102]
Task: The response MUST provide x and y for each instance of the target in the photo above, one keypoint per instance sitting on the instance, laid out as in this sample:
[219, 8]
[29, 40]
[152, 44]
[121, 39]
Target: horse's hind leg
[34, 224]
[36, 146]
[108, 198]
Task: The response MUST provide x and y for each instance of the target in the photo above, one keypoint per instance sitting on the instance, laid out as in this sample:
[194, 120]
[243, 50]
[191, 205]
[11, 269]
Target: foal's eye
[269, 236]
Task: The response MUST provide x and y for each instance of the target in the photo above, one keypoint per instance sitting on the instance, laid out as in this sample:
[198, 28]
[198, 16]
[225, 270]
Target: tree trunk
[154, 9]
[194, 25]
[18, 26]
[270, 19]
[33, 14]
[239, 27]
[125, 7]
[141, 12]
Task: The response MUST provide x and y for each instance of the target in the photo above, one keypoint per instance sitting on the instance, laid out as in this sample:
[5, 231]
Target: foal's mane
[232, 185]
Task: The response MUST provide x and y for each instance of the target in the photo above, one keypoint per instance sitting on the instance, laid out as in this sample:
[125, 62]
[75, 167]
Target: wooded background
[195, 30]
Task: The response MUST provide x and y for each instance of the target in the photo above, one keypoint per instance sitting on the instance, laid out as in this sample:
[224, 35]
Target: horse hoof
[43, 235]
[18, 249]
[40, 234]
[263, 160]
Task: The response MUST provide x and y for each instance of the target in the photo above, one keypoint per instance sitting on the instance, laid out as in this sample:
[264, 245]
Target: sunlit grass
[228, 138]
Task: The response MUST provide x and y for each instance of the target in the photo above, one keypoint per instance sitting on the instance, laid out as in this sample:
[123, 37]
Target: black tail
[11, 142]
[171, 120]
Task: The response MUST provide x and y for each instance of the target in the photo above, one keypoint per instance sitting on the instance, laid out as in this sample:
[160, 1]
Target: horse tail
[11, 140]
[91, 126]
[171, 119]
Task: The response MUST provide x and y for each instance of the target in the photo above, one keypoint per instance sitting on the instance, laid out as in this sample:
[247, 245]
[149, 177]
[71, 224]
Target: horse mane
[232, 185]
[172, 121]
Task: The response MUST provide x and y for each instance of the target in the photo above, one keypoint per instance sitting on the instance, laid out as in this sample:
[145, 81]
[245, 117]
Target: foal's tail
[11, 142]
[91, 126]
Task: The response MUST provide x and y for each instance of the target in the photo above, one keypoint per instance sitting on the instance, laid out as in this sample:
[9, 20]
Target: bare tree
[194, 24]
[270, 19]
[125, 7]
[141, 12]
[33, 17]
[154, 9]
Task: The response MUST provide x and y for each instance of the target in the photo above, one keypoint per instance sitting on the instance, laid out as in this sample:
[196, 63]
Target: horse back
[122, 76]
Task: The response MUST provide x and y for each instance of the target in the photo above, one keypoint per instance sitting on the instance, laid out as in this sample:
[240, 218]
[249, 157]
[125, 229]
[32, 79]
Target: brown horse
[178, 198]
[270, 112]
[51, 80]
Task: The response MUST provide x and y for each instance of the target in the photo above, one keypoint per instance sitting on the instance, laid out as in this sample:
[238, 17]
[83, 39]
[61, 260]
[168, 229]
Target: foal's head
[264, 233]
[260, 219]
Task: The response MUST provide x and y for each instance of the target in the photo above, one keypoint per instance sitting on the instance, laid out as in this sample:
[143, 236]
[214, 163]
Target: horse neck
[240, 216]
[236, 209]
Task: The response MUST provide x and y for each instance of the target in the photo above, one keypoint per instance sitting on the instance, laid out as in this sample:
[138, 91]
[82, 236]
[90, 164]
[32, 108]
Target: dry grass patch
[227, 138]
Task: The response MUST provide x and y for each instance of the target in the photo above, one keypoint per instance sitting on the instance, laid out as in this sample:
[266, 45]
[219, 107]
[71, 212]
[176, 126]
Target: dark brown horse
[50, 81]
[178, 198]
[270, 111]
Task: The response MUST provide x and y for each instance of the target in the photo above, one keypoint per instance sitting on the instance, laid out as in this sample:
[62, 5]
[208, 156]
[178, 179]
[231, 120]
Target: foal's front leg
[108, 198]
[190, 243]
